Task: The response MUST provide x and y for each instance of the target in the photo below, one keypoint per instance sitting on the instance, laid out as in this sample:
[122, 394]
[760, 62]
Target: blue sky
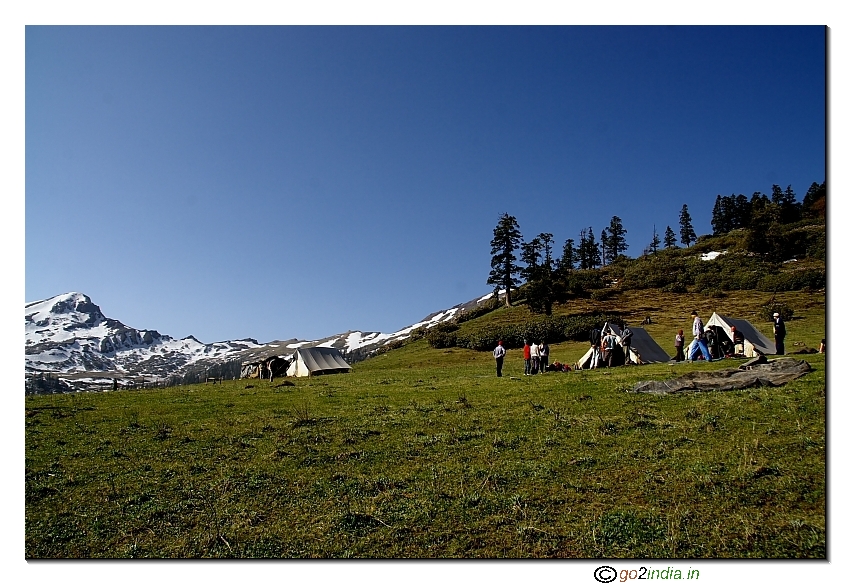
[279, 182]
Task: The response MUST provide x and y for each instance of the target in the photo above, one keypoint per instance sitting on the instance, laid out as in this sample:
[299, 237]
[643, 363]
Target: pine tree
[789, 208]
[546, 240]
[506, 240]
[669, 238]
[582, 250]
[717, 218]
[656, 242]
[568, 256]
[531, 258]
[540, 289]
[604, 245]
[687, 235]
[814, 203]
[616, 238]
[743, 210]
[594, 258]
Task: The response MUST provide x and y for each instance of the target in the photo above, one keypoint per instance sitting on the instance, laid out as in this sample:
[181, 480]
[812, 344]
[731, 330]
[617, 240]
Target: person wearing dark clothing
[738, 341]
[595, 343]
[711, 342]
[679, 343]
[609, 345]
[626, 341]
[499, 355]
[779, 333]
[544, 356]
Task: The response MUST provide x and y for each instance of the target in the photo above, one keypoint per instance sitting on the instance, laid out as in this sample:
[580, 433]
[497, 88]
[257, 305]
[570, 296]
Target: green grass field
[424, 453]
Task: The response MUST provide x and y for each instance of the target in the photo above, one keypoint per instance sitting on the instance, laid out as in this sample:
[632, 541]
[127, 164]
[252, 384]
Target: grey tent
[315, 361]
[754, 341]
[643, 349]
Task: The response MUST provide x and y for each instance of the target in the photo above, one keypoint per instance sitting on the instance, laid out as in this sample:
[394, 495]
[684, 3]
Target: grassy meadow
[422, 452]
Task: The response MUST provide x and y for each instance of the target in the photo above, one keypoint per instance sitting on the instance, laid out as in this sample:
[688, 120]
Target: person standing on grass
[626, 341]
[595, 341]
[699, 339]
[544, 356]
[609, 345]
[499, 355]
[526, 354]
[779, 333]
[679, 343]
[535, 358]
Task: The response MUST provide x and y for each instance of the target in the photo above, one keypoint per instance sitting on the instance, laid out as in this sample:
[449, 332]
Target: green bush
[549, 328]
[473, 313]
[442, 335]
[797, 280]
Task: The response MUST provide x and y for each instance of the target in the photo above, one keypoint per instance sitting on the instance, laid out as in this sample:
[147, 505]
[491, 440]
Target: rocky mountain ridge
[69, 338]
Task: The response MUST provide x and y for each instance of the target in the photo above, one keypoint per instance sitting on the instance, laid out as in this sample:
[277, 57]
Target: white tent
[317, 360]
[754, 341]
[643, 349]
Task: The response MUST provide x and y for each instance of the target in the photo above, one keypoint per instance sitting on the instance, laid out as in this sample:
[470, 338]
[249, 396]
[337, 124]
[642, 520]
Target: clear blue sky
[281, 182]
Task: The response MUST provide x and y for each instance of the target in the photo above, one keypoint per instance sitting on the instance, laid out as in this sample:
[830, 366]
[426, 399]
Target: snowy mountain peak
[69, 335]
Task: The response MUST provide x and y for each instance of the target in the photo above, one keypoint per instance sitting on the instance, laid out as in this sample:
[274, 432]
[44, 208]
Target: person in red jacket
[526, 354]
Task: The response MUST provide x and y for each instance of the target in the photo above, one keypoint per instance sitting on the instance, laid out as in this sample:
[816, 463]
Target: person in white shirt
[499, 355]
[535, 358]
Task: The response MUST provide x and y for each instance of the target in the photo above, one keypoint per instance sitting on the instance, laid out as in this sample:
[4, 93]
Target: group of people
[709, 345]
[608, 349]
[536, 359]
[605, 349]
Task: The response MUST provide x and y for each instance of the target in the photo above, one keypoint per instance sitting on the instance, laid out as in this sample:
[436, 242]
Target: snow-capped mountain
[69, 336]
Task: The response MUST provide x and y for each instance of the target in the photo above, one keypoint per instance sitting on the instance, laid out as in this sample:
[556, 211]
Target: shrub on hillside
[657, 271]
[477, 312]
[794, 280]
[442, 335]
[550, 328]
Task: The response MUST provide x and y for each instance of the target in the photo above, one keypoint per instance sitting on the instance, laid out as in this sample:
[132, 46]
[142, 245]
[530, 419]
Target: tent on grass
[315, 361]
[265, 368]
[643, 350]
[754, 341]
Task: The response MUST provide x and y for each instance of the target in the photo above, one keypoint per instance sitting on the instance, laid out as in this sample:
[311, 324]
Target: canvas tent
[268, 367]
[315, 361]
[754, 341]
[643, 350]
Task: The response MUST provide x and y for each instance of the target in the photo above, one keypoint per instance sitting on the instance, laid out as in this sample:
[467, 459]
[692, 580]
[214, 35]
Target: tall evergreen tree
[568, 256]
[718, 221]
[582, 250]
[776, 195]
[743, 210]
[656, 241]
[531, 258]
[616, 238]
[814, 202]
[594, 258]
[687, 235]
[758, 203]
[789, 208]
[540, 289]
[506, 240]
[669, 238]
[546, 240]
[604, 246]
